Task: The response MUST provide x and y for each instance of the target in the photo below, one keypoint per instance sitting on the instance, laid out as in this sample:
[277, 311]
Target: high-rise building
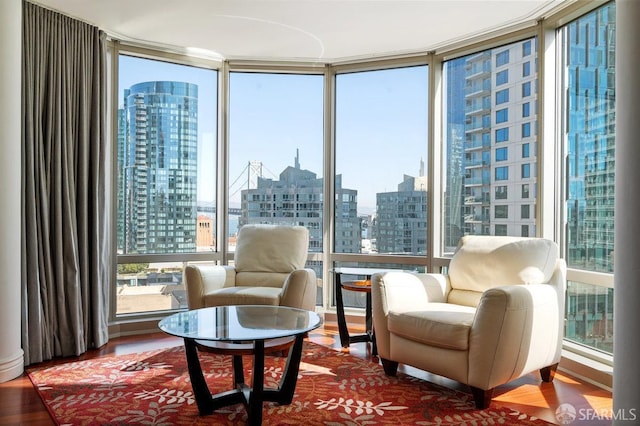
[296, 199]
[157, 168]
[590, 138]
[401, 217]
[500, 140]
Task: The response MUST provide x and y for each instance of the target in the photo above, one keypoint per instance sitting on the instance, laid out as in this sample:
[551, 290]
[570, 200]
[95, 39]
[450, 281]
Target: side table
[361, 286]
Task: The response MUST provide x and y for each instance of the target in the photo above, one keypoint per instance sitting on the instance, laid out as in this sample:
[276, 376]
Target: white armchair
[268, 270]
[497, 315]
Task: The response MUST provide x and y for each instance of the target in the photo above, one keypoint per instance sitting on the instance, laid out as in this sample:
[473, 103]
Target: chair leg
[481, 397]
[548, 373]
[390, 367]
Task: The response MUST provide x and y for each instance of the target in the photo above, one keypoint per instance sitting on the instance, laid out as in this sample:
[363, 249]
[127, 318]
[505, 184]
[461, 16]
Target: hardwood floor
[21, 405]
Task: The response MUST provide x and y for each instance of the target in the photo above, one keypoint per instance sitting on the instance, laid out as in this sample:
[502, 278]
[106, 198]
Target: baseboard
[132, 328]
[12, 367]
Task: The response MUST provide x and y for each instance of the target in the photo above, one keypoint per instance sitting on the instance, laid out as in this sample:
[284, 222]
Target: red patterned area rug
[334, 388]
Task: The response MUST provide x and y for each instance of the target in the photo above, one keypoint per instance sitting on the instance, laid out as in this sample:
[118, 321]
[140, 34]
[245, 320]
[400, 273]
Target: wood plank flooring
[21, 405]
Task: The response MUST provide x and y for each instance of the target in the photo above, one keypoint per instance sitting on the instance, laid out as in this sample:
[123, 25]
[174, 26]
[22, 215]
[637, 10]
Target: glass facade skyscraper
[589, 132]
[157, 168]
[590, 139]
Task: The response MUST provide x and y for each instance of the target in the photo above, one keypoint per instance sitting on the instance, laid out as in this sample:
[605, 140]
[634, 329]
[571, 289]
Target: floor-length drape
[65, 244]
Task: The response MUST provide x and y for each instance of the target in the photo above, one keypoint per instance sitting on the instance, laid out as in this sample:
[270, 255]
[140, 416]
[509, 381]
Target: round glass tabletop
[240, 323]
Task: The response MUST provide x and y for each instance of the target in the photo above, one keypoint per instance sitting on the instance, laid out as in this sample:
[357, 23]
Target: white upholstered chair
[497, 315]
[269, 269]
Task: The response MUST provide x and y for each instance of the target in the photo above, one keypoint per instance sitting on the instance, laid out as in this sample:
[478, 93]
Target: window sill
[587, 365]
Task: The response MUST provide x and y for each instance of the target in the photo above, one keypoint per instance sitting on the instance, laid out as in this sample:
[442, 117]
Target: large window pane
[276, 154]
[589, 69]
[381, 146]
[474, 185]
[588, 46]
[165, 177]
[589, 315]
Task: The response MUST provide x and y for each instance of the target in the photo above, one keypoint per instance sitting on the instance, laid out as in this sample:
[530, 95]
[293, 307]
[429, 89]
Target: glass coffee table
[237, 331]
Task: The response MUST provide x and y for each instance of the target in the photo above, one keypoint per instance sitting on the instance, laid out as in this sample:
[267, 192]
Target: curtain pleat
[65, 160]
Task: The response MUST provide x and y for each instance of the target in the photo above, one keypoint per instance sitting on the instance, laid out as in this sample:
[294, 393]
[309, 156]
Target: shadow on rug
[334, 388]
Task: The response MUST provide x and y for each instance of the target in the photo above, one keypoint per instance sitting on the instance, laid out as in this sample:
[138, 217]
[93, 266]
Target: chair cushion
[440, 324]
[271, 248]
[243, 296]
[484, 262]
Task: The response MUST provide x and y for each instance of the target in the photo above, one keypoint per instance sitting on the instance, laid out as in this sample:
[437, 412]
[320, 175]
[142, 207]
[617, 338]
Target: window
[374, 109]
[526, 69]
[502, 135]
[280, 186]
[166, 177]
[526, 130]
[589, 142]
[524, 230]
[524, 211]
[466, 205]
[525, 110]
[502, 173]
[500, 230]
[501, 192]
[526, 48]
[525, 190]
[502, 58]
[502, 77]
[502, 96]
[526, 89]
[502, 115]
[525, 150]
[526, 170]
[501, 212]
[501, 154]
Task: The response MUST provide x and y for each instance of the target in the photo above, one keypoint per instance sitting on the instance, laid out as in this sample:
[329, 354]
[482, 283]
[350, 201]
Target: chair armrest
[517, 329]
[200, 280]
[300, 290]
[402, 292]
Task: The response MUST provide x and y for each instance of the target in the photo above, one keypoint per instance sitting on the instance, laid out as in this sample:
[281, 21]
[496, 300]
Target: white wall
[11, 355]
[626, 344]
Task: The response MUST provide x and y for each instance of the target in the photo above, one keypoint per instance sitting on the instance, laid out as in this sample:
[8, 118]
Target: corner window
[166, 179]
[387, 207]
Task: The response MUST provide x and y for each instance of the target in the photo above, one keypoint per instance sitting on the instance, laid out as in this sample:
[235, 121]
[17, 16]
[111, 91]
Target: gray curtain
[66, 239]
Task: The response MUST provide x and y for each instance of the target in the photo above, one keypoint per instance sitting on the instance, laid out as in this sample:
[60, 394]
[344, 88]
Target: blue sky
[381, 124]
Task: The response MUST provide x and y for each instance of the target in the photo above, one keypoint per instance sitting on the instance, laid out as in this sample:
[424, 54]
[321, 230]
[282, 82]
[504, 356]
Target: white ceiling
[301, 30]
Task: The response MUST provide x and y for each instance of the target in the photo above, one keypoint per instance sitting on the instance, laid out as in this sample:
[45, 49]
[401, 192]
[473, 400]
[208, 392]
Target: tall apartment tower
[157, 168]
[401, 217]
[296, 199]
[500, 139]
